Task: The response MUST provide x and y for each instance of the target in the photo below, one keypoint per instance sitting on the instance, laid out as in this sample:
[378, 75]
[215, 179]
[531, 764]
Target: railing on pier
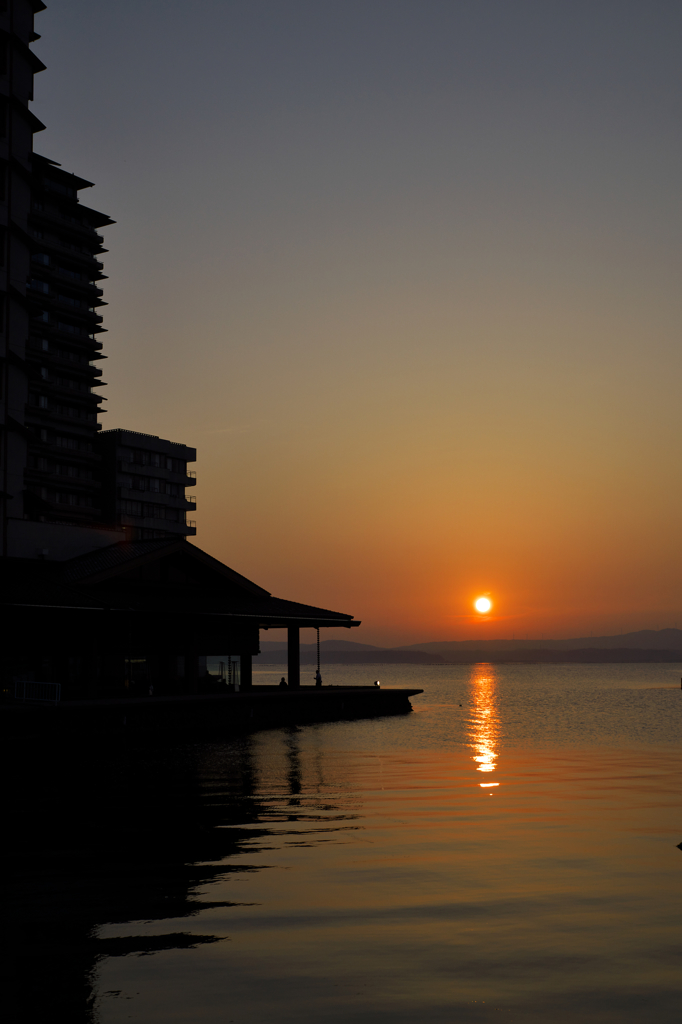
[43, 693]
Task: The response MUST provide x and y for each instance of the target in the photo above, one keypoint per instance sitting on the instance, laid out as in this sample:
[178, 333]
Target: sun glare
[483, 604]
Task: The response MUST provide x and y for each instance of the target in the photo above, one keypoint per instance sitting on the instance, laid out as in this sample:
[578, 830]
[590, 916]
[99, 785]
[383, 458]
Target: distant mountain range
[643, 645]
[643, 639]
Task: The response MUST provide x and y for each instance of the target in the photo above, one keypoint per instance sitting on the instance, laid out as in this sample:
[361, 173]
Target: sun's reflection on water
[484, 724]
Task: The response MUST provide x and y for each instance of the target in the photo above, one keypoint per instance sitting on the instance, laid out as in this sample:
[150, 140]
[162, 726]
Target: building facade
[17, 125]
[144, 480]
[62, 473]
[62, 493]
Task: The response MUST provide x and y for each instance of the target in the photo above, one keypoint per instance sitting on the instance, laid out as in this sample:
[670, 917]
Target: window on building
[130, 508]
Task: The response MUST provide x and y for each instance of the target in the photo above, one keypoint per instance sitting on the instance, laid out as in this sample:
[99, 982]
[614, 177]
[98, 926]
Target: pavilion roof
[164, 575]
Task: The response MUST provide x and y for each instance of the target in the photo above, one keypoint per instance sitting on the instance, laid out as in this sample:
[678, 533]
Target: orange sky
[411, 287]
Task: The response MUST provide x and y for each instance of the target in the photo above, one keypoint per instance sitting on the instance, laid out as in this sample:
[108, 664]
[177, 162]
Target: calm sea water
[508, 851]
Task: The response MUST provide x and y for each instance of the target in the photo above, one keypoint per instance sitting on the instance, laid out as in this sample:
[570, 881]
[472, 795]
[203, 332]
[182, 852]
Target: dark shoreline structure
[117, 638]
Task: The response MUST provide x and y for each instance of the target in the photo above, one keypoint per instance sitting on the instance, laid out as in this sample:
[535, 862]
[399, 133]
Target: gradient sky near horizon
[407, 274]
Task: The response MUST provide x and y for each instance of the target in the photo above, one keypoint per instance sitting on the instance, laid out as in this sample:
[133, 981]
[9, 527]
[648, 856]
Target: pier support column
[294, 656]
[245, 671]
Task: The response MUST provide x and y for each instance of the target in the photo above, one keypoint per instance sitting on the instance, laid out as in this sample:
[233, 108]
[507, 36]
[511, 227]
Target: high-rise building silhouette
[17, 125]
[53, 472]
[61, 476]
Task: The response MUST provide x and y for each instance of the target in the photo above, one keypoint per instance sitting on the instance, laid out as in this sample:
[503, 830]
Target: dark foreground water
[508, 851]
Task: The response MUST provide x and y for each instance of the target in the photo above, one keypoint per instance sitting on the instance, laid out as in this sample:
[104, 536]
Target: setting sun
[483, 604]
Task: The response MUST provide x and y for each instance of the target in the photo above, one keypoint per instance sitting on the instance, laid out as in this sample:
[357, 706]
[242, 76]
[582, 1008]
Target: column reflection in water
[484, 723]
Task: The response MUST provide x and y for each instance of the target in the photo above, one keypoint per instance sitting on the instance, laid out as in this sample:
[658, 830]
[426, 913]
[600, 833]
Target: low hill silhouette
[643, 639]
[646, 645]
